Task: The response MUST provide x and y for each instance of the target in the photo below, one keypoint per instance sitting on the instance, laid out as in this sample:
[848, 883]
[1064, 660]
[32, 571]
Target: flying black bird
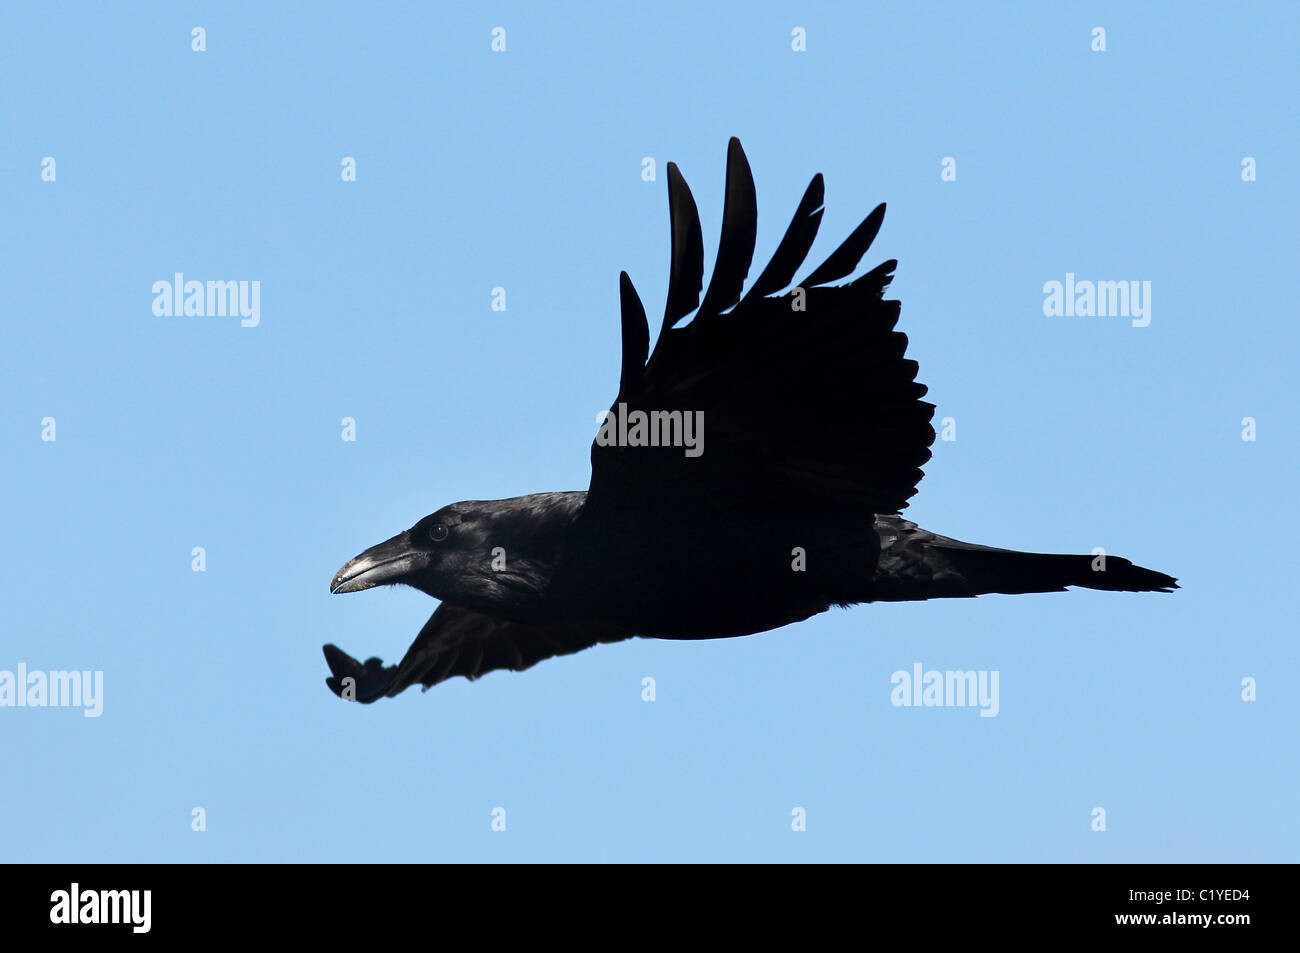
[750, 474]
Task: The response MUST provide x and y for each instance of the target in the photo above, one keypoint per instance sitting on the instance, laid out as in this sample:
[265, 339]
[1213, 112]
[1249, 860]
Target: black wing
[457, 641]
[805, 395]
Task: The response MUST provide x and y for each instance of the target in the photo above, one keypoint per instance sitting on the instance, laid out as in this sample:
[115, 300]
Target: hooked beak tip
[386, 563]
[352, 577]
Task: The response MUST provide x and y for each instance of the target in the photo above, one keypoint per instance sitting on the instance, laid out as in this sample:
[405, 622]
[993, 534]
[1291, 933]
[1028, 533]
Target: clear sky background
[522, 170]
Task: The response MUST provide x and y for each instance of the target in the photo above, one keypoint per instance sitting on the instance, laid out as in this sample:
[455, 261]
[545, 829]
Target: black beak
[386, 563]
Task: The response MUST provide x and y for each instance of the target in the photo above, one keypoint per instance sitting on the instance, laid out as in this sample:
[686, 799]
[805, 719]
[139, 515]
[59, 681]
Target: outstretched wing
[802, 396]
[458, 641]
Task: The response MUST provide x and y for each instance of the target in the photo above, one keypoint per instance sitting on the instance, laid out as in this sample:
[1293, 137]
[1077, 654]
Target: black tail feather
[985, 569]
[917, 564]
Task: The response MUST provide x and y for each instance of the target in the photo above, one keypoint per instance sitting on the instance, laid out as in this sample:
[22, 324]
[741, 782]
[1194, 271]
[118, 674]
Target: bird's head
[436, 546]
[494, 554]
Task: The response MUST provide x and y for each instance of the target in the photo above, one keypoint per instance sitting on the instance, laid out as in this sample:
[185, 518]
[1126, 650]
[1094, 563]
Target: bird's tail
[917, 564]
[1002, 570]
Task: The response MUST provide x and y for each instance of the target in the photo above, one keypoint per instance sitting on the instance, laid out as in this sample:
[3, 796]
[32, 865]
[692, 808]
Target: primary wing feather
[807, 398]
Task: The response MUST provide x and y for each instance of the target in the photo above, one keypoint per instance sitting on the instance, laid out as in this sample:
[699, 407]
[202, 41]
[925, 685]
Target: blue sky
[522, 169]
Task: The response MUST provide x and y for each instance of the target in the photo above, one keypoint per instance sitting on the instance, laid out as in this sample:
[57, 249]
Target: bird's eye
[438, 532]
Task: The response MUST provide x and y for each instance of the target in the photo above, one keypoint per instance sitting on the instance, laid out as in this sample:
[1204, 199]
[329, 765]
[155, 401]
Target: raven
[750, 474]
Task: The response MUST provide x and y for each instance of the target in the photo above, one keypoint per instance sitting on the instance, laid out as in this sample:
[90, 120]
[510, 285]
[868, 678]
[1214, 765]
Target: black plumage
[790, 433]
